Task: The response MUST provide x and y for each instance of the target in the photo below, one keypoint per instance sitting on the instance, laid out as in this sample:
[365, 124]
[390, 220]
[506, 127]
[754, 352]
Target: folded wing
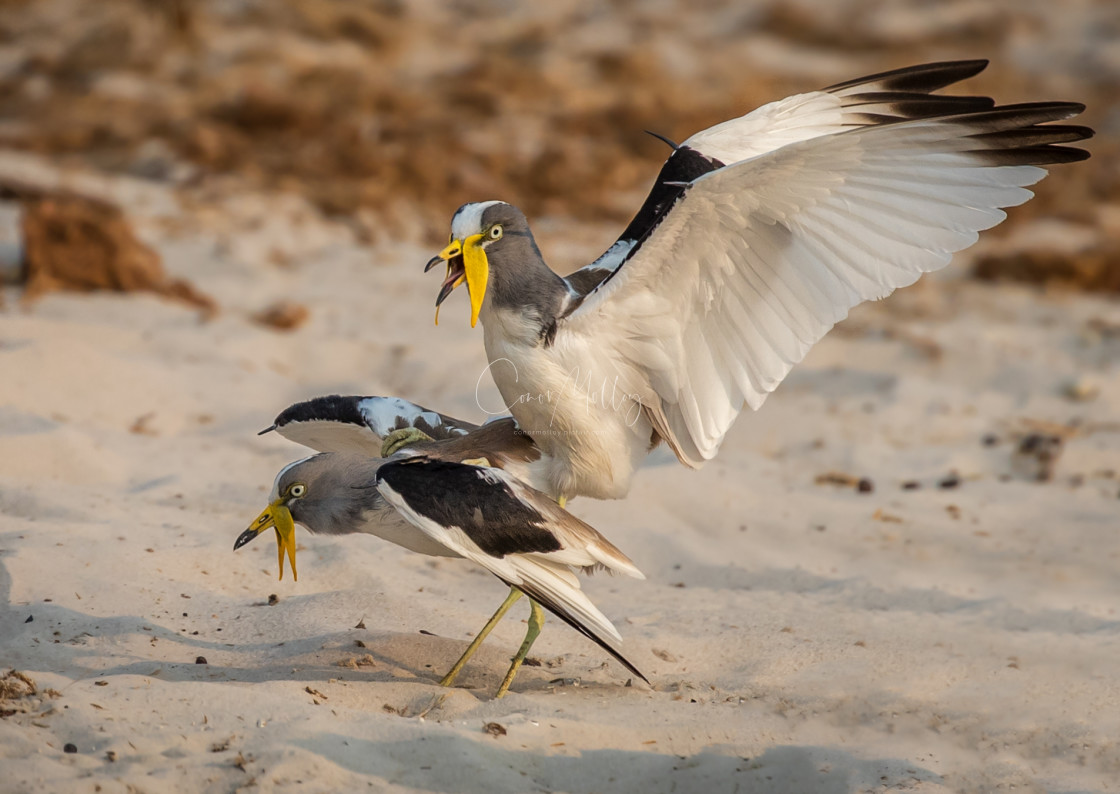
[485, 515]
[338, 423]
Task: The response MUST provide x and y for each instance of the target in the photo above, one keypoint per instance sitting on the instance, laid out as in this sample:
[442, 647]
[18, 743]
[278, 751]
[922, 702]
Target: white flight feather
[772, 126]
[761, 258]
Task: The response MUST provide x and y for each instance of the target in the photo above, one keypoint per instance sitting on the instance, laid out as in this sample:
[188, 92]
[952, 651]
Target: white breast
[577, 404]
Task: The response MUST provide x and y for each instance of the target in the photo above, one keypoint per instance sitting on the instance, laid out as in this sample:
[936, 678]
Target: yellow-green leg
[403, 437]
[536, 623]
[511, 599]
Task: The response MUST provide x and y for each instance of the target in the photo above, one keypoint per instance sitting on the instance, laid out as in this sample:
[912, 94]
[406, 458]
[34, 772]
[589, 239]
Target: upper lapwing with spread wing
[759, 235]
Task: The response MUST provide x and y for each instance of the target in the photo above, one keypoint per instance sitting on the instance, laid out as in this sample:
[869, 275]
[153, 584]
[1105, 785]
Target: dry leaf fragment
[494, 729]
[283, 316]
[880, 515]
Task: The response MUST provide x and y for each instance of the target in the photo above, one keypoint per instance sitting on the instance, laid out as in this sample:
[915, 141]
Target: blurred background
[388, 114]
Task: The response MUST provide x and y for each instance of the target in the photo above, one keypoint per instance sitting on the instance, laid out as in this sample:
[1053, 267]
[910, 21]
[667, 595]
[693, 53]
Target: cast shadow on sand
[68, 642]
[466, 765]
[65, 641]
[858, 594]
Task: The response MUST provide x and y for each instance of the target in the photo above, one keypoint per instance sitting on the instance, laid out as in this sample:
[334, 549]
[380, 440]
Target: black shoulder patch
[459, 495]
[684, 165]
[333, 408]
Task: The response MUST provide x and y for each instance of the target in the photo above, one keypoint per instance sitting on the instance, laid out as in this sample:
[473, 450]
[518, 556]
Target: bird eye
[496, 232]
[297, 490]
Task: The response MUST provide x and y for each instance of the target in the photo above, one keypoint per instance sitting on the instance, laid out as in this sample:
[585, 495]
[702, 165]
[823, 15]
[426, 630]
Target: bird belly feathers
[576, 404]
[389, 525]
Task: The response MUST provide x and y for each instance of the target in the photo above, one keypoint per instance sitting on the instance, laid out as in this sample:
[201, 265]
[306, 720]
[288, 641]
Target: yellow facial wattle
[477, 273]
[278, 517]
[285, 539]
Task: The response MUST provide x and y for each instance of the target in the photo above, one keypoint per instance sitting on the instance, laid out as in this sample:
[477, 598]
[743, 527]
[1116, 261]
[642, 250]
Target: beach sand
[950, 624]
[800, 634]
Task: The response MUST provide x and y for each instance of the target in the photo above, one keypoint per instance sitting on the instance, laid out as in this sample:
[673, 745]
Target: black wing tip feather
[1035, 135]
[1040, 111]
[917, 98]
[561, 613]
[1021, 134]
[909, 93]
[1035, 155]
[1052, 133]
[924, 78]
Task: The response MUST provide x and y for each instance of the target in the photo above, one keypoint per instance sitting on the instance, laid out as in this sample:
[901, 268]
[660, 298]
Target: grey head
[510, 274]
[519, 277]
[338, 494]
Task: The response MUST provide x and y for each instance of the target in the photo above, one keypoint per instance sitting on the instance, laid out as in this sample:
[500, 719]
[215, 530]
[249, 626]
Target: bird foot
[401, 438]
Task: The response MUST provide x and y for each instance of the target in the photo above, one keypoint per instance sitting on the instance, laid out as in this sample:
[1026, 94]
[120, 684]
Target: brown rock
[77, 243]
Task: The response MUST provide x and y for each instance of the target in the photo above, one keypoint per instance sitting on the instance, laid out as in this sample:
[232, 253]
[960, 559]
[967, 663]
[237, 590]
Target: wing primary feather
[820, 287]
[832, 198]
[835, 239]
[766, 318]
[925, 78]
[896, 106]
[558, 609]
[792, 305]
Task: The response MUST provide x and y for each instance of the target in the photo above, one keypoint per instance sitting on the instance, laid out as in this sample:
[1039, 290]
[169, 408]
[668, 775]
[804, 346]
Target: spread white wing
[897, 95]
[756, 261]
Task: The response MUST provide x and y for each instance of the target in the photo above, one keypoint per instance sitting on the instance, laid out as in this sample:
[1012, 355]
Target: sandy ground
[801, 635]
[950, 627]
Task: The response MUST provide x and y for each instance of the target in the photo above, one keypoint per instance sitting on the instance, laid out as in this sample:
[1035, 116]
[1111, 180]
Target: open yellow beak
[466, 261]
[277, 516]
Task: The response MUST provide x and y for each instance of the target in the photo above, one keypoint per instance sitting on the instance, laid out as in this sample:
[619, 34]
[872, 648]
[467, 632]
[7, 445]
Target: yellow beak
[475, 272]
[277, 516]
